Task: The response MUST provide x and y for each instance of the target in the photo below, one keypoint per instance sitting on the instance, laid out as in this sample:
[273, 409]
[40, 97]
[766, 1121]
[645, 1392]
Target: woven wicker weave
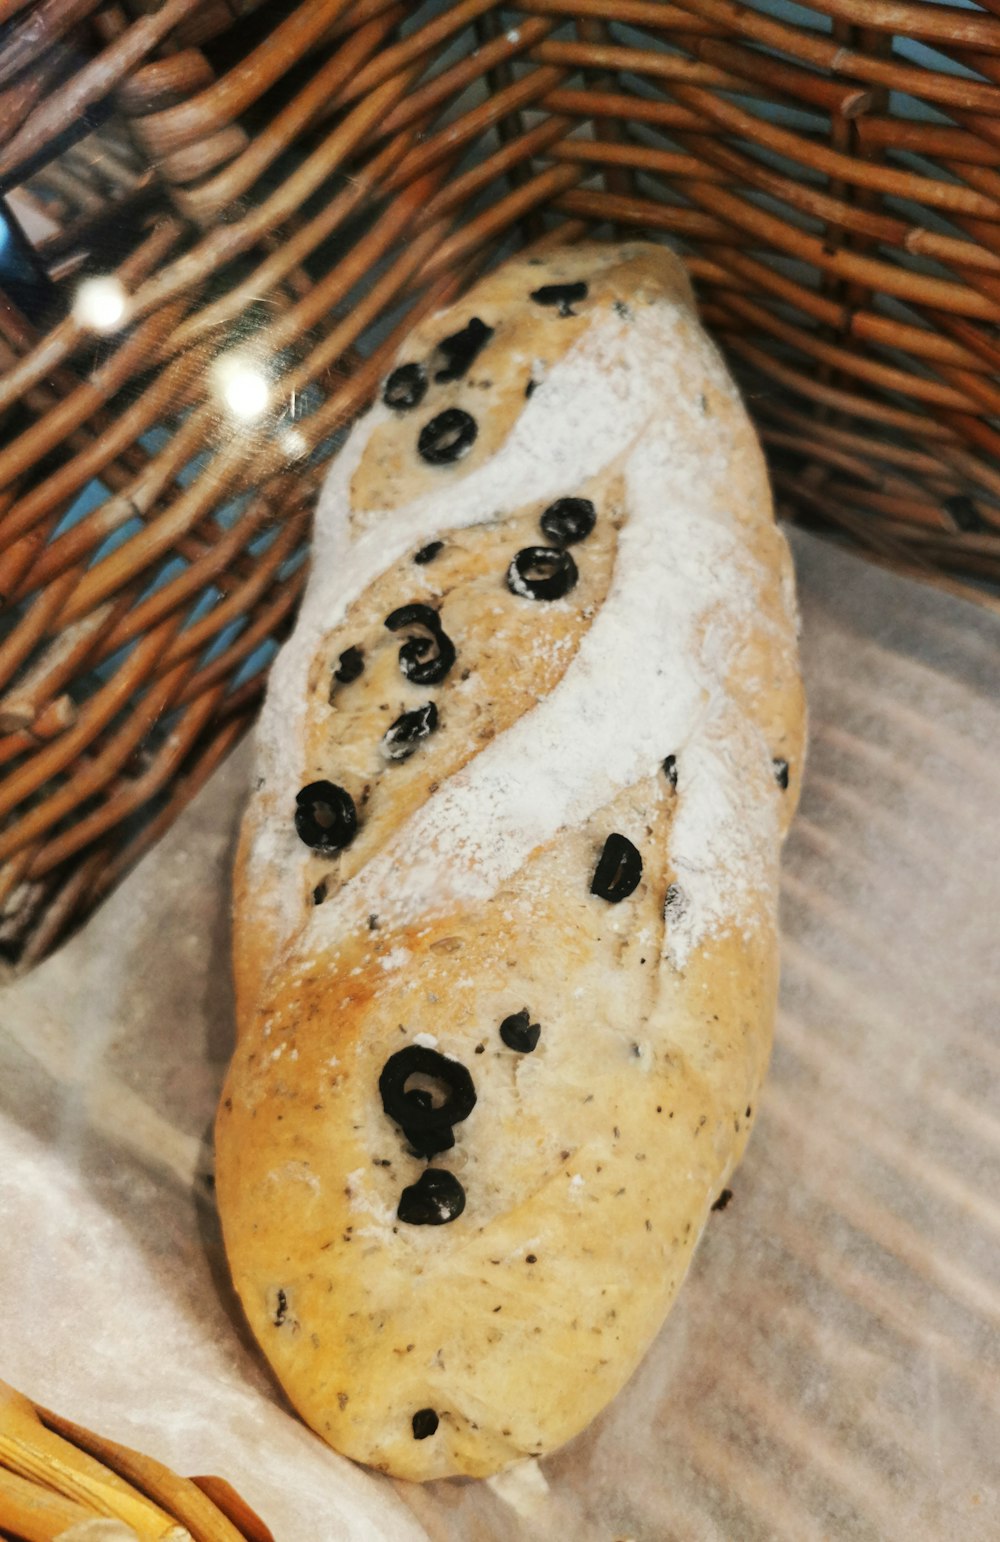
[58, 1479]
[288, 186]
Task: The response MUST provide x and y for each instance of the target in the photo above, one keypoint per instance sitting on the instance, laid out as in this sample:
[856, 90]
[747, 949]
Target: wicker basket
[220, 216]
[58, 1479]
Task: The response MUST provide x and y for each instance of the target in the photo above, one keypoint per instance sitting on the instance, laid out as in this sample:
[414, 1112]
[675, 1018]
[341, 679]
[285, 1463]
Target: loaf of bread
[505, 911]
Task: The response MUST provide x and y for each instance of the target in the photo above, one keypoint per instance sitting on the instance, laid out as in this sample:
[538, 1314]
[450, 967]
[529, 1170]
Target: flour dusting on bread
[649, 673]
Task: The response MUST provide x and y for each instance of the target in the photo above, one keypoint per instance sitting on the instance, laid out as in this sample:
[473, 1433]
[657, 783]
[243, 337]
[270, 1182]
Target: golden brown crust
[590, 1164]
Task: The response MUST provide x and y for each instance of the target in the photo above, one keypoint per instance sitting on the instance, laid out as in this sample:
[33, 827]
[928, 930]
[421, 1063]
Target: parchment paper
[832, 1367]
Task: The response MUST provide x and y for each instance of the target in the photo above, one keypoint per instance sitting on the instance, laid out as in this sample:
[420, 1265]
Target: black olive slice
[428, 553]
[417, 1114]
[447, 437]
[436, 1198]
[670, 769]
[568, 520]
[350, 666]
[406, 387]
[563, 295]
[325, 816]
[519, 1033]
[429, 1143]
[461, 349]
[781, 773]
[426, 1143]
[416, 614]
[618, 870]
[403, 736]
[423, 659]
[541, 573]
[425, 1421]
